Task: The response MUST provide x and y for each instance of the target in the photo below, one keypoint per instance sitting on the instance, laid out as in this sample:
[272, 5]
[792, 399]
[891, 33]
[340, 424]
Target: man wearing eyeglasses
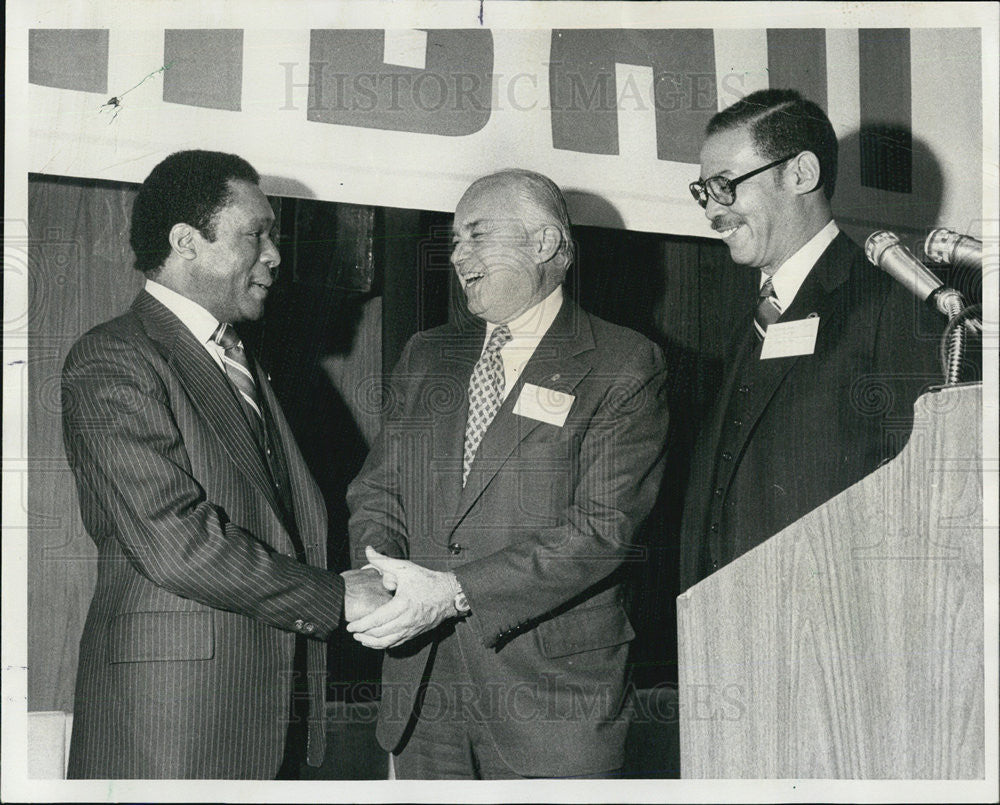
[826, 366]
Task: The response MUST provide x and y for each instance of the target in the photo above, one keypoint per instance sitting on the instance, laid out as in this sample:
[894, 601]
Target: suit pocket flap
[159, 636]
[585, 630]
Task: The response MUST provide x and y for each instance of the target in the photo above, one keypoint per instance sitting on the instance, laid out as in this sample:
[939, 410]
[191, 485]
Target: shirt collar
[787, 280]
[536, 320]
[192, 315]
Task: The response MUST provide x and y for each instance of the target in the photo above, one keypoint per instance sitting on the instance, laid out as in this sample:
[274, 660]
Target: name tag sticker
[545, 405]
[788, 338]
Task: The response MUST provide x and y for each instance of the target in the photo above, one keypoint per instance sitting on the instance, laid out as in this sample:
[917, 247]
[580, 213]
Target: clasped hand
[423, 599]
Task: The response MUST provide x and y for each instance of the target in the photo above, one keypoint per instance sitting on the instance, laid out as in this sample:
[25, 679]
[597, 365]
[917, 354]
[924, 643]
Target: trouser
[449, 740]
[297, 734]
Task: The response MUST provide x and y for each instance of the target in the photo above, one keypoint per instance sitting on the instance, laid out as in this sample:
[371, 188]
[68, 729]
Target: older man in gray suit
[202, 653]
[521, 450]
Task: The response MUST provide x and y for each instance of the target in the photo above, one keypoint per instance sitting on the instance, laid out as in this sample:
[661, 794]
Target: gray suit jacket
[535, 537]
[186, 654]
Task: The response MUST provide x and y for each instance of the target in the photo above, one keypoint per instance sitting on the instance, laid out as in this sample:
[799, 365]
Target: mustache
[725, 222]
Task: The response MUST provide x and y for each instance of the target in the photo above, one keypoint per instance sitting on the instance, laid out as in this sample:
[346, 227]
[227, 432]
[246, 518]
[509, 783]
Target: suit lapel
[559, 362]
[816, 297]
[456, 360]
[309, 508]
[208, 390]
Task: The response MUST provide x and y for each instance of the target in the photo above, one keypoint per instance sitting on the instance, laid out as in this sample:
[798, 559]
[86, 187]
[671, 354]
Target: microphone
[947, 247]
[884, 250]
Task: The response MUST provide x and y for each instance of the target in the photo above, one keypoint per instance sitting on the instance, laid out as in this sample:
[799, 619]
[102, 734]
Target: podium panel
[850, 644]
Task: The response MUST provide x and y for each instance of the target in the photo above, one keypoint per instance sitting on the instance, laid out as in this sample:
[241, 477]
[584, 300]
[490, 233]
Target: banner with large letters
[408, 117]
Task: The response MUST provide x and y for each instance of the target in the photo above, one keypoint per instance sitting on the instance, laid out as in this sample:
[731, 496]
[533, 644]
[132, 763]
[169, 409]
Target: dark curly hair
[782, 122]
[187, 187]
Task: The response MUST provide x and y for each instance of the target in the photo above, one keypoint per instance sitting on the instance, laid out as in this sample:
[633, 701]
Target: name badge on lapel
[545, 405]
[789, 338]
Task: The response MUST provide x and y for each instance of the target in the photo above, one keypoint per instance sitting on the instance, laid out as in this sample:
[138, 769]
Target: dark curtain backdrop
[355, 283]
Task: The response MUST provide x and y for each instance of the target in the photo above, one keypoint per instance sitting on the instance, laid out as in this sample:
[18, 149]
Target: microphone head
[940, 245]
[945, 246]
[877, 243]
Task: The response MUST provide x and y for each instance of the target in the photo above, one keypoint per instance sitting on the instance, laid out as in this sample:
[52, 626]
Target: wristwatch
[462, 605]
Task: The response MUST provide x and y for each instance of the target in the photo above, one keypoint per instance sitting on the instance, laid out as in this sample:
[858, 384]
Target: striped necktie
[234, 361]
[768, 310]
[485, 395]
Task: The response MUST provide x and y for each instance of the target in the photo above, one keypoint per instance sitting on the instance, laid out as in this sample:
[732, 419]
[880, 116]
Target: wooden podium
[850, 644]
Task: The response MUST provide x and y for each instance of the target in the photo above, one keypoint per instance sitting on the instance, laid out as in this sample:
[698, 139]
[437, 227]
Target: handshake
[391, 600]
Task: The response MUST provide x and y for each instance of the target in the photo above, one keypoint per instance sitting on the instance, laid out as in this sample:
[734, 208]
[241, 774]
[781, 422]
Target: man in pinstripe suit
[202, 655]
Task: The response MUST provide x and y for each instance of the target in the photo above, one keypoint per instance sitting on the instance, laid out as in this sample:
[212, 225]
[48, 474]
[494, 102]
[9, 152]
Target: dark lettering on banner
[585, 98]
[351, 85]
[69, 58]
[886, 117]
[206, 67]
[796, 59]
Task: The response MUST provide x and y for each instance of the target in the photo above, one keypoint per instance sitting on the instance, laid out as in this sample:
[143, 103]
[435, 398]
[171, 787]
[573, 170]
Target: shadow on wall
[585, 206]
[888, 179]
[284, 186]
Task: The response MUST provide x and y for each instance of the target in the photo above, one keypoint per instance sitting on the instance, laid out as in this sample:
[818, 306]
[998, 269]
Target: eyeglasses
[723, 190]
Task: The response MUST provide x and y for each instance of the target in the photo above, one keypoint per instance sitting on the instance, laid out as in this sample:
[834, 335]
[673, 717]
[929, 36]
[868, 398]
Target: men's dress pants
[450, 739]
[297, 734]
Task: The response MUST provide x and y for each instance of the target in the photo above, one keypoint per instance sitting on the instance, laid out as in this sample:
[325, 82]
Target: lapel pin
[556, 376]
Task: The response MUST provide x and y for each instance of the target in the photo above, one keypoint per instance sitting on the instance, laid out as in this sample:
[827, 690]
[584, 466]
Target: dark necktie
[485, 394]
[234, 361]
[768, 310]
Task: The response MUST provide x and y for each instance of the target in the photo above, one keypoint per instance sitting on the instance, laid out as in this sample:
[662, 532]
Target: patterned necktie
[234, 360]
[768, 310]
[485, 394]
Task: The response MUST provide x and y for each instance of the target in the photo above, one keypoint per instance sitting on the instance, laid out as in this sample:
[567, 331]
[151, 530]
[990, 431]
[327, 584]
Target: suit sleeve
[377, 514]
[619, 468]
[135, 484]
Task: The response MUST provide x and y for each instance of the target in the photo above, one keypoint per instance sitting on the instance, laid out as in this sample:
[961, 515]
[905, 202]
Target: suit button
[308, 628]
[737, 422]
[454, 549]
[727, 456]
[718, 492]
[714, 528]
[299, 624]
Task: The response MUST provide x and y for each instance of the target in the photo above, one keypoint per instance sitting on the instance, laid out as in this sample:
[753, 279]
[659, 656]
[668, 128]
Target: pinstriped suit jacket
[187, 651]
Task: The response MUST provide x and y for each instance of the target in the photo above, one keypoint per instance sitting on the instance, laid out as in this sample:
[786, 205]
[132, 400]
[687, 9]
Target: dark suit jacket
[788, 434]
[535, 538]
[186, 654]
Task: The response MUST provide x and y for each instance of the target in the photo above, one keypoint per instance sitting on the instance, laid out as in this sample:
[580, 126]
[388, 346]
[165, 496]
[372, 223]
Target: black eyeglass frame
[701, 190]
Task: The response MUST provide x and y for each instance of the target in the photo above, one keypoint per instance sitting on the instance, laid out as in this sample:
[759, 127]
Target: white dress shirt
[526, 331]
[199, 321]
[789, 277]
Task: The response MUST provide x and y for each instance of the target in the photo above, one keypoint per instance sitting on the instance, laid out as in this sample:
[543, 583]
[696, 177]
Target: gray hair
[545, 198]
